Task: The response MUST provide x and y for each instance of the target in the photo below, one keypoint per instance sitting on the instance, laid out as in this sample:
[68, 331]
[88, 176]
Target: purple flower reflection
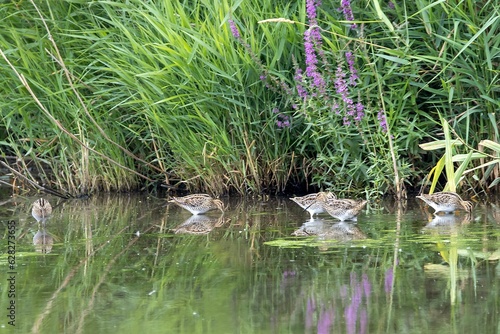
[311, 308]
[325, 321]
[356, 317]
[367, 287]
[389, 278]
[363, 322]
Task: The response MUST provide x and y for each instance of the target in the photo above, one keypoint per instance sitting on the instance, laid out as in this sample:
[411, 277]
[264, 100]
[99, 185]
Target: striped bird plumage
[446, 201]
[198, 203]
[313, 203]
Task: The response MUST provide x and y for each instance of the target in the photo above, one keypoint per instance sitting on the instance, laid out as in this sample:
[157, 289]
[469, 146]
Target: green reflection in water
[135, 264]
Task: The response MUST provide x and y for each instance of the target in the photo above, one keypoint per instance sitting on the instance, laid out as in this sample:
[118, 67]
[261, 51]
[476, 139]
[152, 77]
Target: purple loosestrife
[311, 44]
[312, 47]
[282, 121]
[342, 89]
[299, 83]
[234, 30]
[311, 59]
[311, 6]
[345, 6]
[382, 120]
[359, 111]
[340, 84]
[352, 111]
[274, 83]
[354, 72]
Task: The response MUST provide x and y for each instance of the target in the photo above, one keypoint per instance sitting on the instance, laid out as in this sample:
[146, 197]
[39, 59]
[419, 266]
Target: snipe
[198, 203]
[41, 210]
[313, 203]
[446, 201]
[344, 209]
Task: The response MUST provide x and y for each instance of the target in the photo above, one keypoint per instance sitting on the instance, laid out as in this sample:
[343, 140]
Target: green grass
[129, 95]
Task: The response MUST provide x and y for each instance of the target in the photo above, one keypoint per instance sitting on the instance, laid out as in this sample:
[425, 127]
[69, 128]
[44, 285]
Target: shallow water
[129, 264]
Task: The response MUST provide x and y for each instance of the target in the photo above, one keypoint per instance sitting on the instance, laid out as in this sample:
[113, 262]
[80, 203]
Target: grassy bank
[199, 95]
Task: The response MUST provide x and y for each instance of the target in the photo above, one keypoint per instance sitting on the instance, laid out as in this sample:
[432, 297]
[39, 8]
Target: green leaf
[438, 144]
[459, 173]
[490, 144]
[437, 172]
[381, 15]
[472, 155]
[448, 153]
[393, 59]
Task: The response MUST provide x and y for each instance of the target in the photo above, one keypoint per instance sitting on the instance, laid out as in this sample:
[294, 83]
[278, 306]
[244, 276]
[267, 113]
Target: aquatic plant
[489, 161]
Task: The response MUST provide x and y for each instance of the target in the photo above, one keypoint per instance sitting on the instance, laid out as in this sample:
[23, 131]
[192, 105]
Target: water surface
[133, 263]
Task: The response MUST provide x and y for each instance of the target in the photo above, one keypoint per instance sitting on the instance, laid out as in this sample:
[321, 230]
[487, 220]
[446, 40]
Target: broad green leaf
[490, 144]
[473, 156]
[437, 172]
[460, 170]
[438, 144]
[393, 59]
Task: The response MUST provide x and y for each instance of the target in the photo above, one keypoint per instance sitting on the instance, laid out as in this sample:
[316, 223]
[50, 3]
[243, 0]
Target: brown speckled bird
[313, 203]
[446, 202]
[344, 209]
[41, 210]
[198, 203]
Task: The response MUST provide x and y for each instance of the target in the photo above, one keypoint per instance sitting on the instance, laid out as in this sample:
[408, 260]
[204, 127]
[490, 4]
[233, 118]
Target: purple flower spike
[312, 48]
[311, 9]
[354, 72]
[234, 30]
[311, 59]
[299, 83]
[359, 111]
[382, 120]
[282, 120]
[346, 9]
[340, 84]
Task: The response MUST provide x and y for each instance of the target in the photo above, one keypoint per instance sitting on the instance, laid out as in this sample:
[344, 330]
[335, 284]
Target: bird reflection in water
[200, 224]
[341, 231]
[43, 241]
[445, 223]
